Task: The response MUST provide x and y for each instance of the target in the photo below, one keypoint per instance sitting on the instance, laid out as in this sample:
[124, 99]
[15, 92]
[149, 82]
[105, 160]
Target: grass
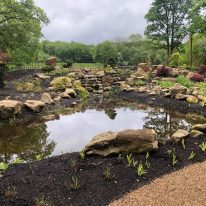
[140, 170]
[192, 155]
[166, 83]
[42, 201]
[184, 81]
[75, 185]
[88, 65]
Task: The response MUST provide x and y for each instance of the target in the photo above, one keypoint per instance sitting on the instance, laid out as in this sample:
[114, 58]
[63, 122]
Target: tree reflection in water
[25, 142]
[164, 122]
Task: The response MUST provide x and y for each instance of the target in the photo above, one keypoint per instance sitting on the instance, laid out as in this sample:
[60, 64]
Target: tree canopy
[20, 27]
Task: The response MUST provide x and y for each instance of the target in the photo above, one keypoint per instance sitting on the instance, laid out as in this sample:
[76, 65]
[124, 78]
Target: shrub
[82, 92]
[191, 68]
[202, 69]
[68, 63]
[162, 71]
[184, 81]
[197, 78]
[176, 59]
[60, 83]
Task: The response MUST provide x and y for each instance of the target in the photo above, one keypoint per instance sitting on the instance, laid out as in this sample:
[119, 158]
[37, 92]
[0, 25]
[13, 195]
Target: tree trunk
[2, 71]
[191, 49]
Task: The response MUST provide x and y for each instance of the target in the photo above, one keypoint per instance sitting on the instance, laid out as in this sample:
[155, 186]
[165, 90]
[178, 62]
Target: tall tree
[167, 23]
[20, 26]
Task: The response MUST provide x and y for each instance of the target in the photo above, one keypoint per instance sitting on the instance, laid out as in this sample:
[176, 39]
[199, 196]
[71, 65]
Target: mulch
[51, 178]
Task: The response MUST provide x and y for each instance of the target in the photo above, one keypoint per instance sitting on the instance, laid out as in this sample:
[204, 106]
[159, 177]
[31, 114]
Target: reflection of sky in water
[73, 132]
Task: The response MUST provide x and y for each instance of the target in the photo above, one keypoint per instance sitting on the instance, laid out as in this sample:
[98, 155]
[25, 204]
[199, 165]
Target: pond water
[77, 126]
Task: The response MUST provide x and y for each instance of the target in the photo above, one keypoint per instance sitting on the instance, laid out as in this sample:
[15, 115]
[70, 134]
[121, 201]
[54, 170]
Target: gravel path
[186, 187]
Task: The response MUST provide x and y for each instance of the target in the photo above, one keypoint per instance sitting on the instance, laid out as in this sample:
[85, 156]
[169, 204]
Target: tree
[167, 23]
[20, 27]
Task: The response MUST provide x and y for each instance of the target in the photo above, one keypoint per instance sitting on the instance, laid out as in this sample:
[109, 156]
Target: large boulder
[179, 135]
[52, 61]
[177, 89]
[34, 105]
[10, 108]
[137, 141]
[46, 98]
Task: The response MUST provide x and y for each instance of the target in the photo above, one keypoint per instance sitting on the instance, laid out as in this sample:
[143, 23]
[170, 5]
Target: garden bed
[50, 179]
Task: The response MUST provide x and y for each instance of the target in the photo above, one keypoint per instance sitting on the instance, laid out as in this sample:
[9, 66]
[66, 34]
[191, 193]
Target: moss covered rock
[61, 83]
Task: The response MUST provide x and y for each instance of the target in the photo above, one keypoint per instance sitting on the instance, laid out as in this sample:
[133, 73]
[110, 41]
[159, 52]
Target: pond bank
[52, 177]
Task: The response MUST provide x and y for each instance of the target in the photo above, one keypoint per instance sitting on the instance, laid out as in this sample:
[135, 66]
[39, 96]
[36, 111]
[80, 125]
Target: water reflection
[77, 126]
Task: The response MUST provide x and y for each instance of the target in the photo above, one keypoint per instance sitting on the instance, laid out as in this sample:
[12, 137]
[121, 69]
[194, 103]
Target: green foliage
[129, 160]
[166, 84]
[82, 92]
[39, 157]
[75, 185]
[42, 201]
[17, 161]
[60, 83]
[107, 173]
[139, 83]
[203, 146]
[20, 26]
[176, 59]
[4, 166]
[140, 170]
[183, 144]
[174, 159]
[192, 155]
[184, 81]
[82, 155]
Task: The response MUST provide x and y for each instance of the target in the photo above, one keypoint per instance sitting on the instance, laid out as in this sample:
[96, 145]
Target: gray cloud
[92, 21]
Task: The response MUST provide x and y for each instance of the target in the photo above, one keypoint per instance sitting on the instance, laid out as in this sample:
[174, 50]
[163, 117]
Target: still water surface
[76, 127]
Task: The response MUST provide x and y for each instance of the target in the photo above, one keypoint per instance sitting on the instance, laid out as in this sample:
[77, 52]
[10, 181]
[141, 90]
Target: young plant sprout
[108, 173]
[174, 159]
[183, 144]
[203, 147]
[82, 155]
[74, 183]
[140, 170]
[129, 160]
[4, 166]
[192, 155]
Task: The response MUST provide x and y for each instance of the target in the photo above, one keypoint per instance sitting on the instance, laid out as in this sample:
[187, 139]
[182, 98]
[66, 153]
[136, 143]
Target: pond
[77, 126]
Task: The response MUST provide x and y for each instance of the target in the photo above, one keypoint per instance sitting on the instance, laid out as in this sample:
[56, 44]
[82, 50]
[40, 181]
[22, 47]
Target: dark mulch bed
[167, 103]
[48, 177]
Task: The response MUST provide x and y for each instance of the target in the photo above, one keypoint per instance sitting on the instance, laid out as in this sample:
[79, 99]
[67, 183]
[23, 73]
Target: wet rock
[34, 105]
[200, 127]
[10, 108]
[179, 135]
[46, 98]
[136, 141]
[195, 133]
[192, 99]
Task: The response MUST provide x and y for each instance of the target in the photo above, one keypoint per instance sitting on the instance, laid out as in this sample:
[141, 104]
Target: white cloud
[92, 21]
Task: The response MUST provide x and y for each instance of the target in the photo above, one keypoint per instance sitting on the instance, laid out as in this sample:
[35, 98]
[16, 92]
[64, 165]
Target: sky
[93, 21]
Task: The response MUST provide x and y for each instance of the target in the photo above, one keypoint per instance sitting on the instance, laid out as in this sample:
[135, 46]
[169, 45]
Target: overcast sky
[93, 21]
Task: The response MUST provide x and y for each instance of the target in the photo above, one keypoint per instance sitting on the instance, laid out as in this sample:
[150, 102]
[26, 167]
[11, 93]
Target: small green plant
[147, 156]
[108, 173]
[10, 192]
[75, 185]
[39, 157]
[17, 161]
[74, 165]
[140, 170]
[183, 144]
[169, 152]
[174, 159]
[203, 147]
[192, 155]
[4, 166]
[129, 160]
[82, 155]
[42, 201]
